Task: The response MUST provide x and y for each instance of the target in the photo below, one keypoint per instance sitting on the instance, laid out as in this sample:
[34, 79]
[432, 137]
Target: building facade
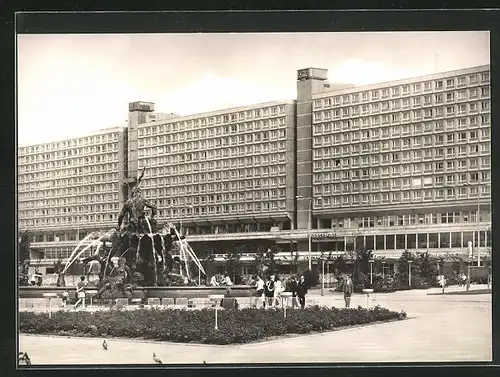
[391, 166]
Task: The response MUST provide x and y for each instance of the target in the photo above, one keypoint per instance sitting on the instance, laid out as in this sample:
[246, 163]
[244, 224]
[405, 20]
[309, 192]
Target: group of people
[270, 290]
[218, 279]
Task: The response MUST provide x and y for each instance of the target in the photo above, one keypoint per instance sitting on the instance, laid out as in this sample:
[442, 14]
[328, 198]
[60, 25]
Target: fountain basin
[147, 292]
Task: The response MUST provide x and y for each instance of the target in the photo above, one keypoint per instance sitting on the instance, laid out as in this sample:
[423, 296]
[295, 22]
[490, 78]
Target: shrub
[235, 326]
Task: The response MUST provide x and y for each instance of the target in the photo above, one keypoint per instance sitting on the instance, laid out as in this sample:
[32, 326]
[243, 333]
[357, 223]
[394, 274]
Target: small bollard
[368, 292]
[50, 296]
[217, 299]
[285, 295]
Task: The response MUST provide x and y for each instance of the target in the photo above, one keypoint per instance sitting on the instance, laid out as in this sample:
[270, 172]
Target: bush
[235, 326]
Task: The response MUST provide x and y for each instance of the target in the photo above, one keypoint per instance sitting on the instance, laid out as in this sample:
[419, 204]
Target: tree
[24, 246]
[426, 266]
[233, 263]
[403, 267]
[340, 265]
[269, 260]
[208, 264]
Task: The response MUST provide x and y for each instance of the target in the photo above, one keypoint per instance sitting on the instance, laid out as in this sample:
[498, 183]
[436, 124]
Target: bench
[91, 293]
[121, 303]
[181, 302]
[167, 301]
[153, 301]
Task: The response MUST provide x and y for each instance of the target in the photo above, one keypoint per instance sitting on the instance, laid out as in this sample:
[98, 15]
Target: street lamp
[323, 275]
[181, 210]
[383, 269]
[478, 222]
[309, 226]
[371, 270]
[409, 272]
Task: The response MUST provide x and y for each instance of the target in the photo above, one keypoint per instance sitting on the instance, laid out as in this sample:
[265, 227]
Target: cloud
[361, 72]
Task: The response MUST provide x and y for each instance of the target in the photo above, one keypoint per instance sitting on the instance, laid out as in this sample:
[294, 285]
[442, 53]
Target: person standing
[302, 291]
[278, 288]
[260, 290]
[269, 291]
[80, 292]
[347, 289]
[292, 287]
[213, 281]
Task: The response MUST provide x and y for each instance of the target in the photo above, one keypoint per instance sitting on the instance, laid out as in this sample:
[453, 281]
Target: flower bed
[235, 326]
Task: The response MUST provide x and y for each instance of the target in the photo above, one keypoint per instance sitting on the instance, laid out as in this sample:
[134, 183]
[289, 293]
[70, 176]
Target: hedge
[235, 326]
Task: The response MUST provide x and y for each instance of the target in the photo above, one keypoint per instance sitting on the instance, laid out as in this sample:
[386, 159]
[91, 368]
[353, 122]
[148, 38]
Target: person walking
[302, 291]
[347, 289]
[269, 291]
[260, 290]
[80, 292]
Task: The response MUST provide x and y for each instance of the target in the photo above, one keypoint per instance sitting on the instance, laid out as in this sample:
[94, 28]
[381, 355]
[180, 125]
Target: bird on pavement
[204, 362]
[105, 345]
[156, 359]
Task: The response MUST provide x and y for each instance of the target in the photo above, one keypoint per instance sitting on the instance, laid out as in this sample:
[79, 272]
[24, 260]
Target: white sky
[69, 85]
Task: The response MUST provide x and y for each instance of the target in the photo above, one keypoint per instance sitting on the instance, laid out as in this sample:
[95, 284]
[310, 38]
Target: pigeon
[204, 362]
[156, 359]
[27, 359]
[105, 345]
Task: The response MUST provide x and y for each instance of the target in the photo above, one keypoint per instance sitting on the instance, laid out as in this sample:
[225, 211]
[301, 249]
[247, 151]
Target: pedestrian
[347, 289]
[227, 280]
[260, 290]
[278, 288]
[302, 291]
[269, 291]
[64, 297]
[442, 283]
[213, 281]
[80, 292]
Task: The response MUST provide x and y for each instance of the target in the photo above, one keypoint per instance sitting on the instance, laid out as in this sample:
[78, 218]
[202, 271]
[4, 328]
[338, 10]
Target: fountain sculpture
[138, 253]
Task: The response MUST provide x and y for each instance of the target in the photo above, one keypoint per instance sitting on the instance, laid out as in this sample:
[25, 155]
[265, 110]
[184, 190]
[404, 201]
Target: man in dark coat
[302, 291]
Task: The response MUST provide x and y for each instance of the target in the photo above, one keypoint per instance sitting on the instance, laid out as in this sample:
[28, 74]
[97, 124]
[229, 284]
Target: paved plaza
[440, 328]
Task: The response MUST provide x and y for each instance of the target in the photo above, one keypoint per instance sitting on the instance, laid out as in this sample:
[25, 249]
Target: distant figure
[269, 291]
[278, 288]
[80, 292]
[347, 289]
[227, 280]
[292, 287]
[302, 291]
[260, 290]
[213, 281]
[65, 298]
[442, 283]
[105, 345]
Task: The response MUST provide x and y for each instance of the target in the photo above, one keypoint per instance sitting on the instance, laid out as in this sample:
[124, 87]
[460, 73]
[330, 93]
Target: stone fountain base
[148, 292]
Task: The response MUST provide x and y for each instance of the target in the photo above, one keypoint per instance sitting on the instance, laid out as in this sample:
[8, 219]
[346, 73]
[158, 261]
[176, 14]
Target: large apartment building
[391, 166]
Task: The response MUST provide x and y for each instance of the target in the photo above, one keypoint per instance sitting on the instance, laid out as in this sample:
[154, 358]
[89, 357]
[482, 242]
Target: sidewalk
[440, 329]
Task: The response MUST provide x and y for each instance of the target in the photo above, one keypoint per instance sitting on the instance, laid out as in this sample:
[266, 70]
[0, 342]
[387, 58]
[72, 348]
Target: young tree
[233, 263]
[208, 264]
[425, 267]
[340, 265]
[24, 246]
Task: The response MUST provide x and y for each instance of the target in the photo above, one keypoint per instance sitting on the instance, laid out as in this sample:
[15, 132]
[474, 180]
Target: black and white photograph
[246, 198]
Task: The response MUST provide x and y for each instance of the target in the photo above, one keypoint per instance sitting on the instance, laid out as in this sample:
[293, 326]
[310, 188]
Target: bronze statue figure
[135, 208]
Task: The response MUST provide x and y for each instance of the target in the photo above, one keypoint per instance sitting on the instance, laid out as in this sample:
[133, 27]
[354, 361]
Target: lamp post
[409, 272]
[309, 227]
[323, 276]
[383, 269]
[181, 210]
[371, 271]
